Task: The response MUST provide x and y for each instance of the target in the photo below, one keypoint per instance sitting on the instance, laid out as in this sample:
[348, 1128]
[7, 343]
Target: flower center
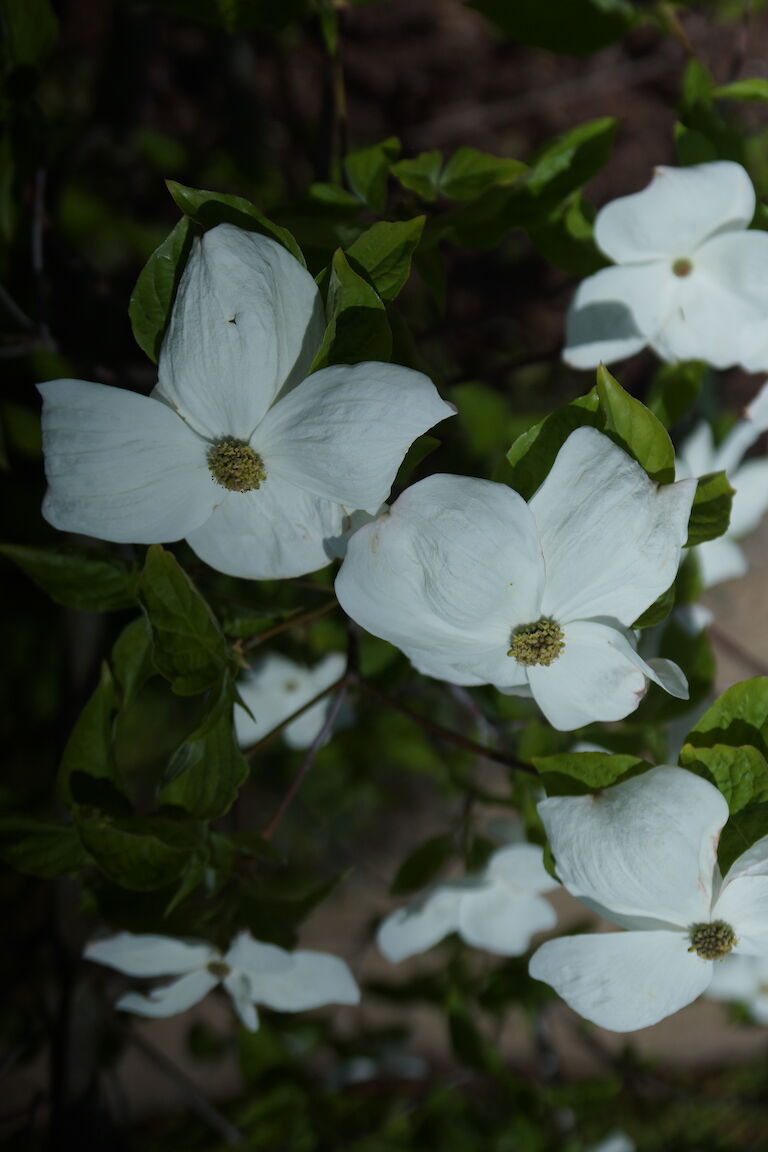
[682, 267]
[538, 643]
[219, 969]
[712, 941]
[235, 465]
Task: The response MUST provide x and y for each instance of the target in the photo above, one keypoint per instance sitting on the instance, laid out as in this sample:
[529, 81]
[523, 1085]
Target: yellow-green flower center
[235, 465]
[712, 941]
[537, 643]
[219, 969]
[682, 267]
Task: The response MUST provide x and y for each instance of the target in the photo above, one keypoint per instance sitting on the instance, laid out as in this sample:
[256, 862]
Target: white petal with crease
[171, 998]
[139, 955]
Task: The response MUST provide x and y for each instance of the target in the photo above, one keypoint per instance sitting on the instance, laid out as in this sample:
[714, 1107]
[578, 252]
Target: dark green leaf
[81, 580]
[593, 770]
[574, 27]
[533, 453]
[135, 860]
[132, 657]
[740, 773]
[635, 429]
[422, 865]
[750, 88]
[358, 328]
[711, 511]
[368, 169]
[739, 717]
[566, 237]
[420, 174]
[383, 253]
[40, 849]
[211, 208]
[29, 29]
[467, 1040]
[153, 295]
[469, 173]
[675, 389]
[741, 832]
[205, 772]
[417, 452]
[189, 646]
[90, 748]
[658, 611]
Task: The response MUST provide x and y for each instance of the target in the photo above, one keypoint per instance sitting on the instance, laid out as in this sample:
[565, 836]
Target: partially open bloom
[252, 973]
[688, 279]
[259, 466]
[643, 854]
[498, 910]
[722, 559]
[743, 980]
[477, 586]
[275, 687]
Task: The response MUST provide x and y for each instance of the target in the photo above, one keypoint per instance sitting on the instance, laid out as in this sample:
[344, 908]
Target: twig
[446, 733]
[254, 748]
[309, 760]
[188, 1089]
[38, 254]
[293, 622]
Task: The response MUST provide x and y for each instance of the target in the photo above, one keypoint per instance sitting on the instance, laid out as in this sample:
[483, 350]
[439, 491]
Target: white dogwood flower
[252, 973]
[615, 1142]
[643, 854]
[477, 586]
[688, 279]
[275, 687]
[723, 559]
[259, 466]
[498, 910]
[743, 980]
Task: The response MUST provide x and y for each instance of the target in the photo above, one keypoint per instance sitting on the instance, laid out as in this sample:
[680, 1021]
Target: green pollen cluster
[538, 643]
[682, 267]
[235, 465]
[712, 941]
[219, 969]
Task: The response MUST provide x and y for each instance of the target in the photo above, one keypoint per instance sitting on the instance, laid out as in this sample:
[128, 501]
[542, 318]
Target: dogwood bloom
[498, 910]
[643, 854]
[743, 979]
[722, 559]
[616, 1142]
[688, 279]
[275, 687]
[477, 586]
[259, 468]
[252, 973]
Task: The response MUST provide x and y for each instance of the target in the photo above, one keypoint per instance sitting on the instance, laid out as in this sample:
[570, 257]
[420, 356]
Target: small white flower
[252, 974]
[722, 559]
[259, 466]
[275, 687]
[615, 1142]
[743, 979]
[478, 587]
[643, 854]
[688, 279]
[498, 910]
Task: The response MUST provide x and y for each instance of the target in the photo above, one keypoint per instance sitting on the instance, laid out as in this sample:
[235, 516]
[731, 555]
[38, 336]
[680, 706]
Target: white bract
[688, 279]
[498, 910]
[615, 1142]
[643, 854]
[275, 687]
[744, 980]
[477, 586]
[252, 973]
[259, 468]
[722, 559]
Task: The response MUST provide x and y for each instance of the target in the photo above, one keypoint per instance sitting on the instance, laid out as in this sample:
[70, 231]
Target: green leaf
[658, 611]
[384, 254]
[574, 27]
[741, 832]
[137, 860]
[189, 646]
[191, 879]
[533, 453]
[593, 770]
[417, 452]
[420, 174]
[155, 290]
[566, 237]
[86, 581]
[40, 849]
[750, 88]
[211, 208]
[469, 173]
[467, 1040]
[132, 658]
[635, 429]
[711, 511]
[740, 773]
[206, 772]
[368, 170]
[675, 389]
[29, 30]
[422, 865]
[570, 160]
[739, 717]
[358, 328]
[90, 747]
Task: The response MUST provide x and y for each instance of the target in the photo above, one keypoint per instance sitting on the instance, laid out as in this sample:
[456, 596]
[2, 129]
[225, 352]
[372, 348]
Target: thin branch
[446, 733]
[293, 622]
[188, 1089]
[309, 760]
[254, 748]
